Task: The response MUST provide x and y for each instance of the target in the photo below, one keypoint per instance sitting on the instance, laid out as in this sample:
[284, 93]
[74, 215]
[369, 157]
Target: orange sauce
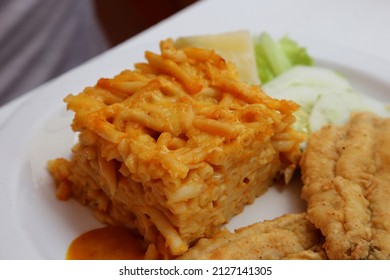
[107, 243]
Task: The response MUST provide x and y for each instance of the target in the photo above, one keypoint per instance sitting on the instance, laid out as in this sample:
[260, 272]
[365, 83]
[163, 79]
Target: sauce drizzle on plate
[107, 243]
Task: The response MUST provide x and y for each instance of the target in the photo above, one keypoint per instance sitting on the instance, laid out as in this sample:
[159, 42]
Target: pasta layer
[175, 147]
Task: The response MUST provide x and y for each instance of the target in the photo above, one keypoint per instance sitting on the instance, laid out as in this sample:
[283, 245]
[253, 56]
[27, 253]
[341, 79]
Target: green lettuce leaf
[275, 57]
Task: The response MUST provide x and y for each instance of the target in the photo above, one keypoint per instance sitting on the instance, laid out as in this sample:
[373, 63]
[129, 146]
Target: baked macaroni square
[175, 147]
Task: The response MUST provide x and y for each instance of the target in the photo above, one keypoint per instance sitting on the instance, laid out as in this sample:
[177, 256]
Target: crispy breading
[290, 236]
[346, 176]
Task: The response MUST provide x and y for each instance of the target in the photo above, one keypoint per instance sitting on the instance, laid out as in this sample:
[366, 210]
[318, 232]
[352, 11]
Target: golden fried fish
[290, 236]
[346, 176]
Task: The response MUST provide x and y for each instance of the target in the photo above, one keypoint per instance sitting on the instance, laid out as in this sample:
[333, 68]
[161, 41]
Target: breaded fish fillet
[346, 176]
[290, 236]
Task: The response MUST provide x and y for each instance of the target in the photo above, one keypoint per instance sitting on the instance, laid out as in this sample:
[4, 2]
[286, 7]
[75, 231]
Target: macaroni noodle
[175, 147]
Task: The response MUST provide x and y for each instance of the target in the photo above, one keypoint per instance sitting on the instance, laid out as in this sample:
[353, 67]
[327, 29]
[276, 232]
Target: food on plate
[346, 177]
[290, 236]
[325, 96]
[108, 243]
[259, 59]
[287, 71]
[274, 57]
[176, 147]
[235, 46]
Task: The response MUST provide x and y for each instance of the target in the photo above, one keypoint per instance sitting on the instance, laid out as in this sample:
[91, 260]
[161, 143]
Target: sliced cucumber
[335, 107]
[325, 96]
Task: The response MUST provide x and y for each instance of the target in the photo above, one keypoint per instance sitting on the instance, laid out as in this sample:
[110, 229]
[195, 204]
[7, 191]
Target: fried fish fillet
[290, 236]
[346, 177]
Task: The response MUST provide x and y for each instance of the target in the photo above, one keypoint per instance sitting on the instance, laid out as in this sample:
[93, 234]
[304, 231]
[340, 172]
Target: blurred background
[122, 19]
[41, 39]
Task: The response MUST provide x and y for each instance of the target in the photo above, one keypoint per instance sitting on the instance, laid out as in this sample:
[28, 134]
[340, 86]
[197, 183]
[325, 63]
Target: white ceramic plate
[37, 226]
